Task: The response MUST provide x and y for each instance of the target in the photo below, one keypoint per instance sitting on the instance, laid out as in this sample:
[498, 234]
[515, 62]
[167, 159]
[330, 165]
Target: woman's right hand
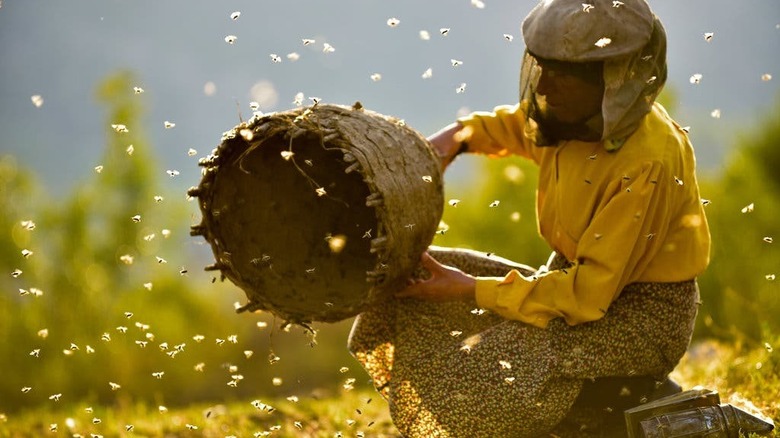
[448, 143]
[445, 284]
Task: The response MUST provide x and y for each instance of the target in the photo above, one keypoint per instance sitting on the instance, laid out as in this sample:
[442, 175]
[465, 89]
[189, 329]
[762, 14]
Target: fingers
[414, 289]
[425, 259]
[429, 263]
[445, 143]
[419, 288]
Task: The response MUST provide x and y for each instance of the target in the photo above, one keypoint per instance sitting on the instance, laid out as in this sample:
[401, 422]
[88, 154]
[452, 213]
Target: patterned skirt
[452, 370]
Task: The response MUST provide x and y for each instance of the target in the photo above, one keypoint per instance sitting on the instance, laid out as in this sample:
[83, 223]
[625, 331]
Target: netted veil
[627, 37]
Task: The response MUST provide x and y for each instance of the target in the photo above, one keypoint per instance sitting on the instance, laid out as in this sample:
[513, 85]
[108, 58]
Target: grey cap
[587, 30]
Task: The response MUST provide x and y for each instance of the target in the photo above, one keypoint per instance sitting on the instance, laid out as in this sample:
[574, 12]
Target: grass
[746, 377]
[349, 414]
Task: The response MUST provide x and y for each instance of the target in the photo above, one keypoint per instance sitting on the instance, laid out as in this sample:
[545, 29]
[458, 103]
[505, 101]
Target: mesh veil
[632, 81]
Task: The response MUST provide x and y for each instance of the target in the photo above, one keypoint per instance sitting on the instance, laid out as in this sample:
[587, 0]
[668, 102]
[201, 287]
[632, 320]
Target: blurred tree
[669, 98]
[18, 195]
[90, 262]
[106, 297]
[762, 146]
[18, 201]
[739, 289]
[493, 210]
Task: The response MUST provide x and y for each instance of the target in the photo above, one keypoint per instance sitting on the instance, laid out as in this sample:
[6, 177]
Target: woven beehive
[318, 212]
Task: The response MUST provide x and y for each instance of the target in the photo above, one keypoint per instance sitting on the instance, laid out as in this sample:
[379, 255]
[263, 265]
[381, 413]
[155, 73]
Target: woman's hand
[448, 143]
[446, 283]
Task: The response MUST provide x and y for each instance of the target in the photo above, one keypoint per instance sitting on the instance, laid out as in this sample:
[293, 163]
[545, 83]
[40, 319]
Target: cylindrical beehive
[318, 212]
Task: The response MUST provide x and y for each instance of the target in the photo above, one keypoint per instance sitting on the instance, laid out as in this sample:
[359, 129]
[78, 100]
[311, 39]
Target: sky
[54, 53]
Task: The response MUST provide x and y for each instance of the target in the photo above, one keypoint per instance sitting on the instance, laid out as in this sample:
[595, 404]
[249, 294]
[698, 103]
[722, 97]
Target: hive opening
[311, 231]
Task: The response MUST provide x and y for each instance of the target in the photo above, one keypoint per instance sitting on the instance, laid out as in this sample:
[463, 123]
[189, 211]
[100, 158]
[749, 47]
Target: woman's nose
[546, 83]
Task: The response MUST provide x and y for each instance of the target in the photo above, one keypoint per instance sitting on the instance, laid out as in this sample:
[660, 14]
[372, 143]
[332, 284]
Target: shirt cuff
[486, 292]
[505, 299]
[473, 129]
[487, 289]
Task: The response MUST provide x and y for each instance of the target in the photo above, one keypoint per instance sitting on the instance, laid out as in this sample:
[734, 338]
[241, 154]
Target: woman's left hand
[446, 283]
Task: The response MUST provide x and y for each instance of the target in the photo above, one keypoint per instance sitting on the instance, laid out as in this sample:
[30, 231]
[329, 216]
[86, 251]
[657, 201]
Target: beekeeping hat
[625, 35]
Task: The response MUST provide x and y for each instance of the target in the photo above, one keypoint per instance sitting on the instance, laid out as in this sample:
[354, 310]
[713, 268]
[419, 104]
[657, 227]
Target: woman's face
[572, 91]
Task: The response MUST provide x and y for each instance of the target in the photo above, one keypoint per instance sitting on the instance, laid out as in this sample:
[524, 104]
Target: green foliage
[747, 377]
[107, 295]
[506, 228]
[739, 289]
[764, 150]
[18, 194]
[669, 98]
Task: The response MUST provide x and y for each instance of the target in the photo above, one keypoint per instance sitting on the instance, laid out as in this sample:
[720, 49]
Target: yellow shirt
[624, 216]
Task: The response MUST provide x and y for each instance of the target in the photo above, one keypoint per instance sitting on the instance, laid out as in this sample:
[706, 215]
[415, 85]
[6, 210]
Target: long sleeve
[498, 133]
[627, 230]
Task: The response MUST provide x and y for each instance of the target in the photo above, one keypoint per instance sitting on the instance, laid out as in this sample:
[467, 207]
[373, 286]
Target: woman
[567, 348]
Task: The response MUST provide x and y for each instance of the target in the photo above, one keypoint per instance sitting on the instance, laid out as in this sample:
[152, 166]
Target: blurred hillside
[104, 299]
